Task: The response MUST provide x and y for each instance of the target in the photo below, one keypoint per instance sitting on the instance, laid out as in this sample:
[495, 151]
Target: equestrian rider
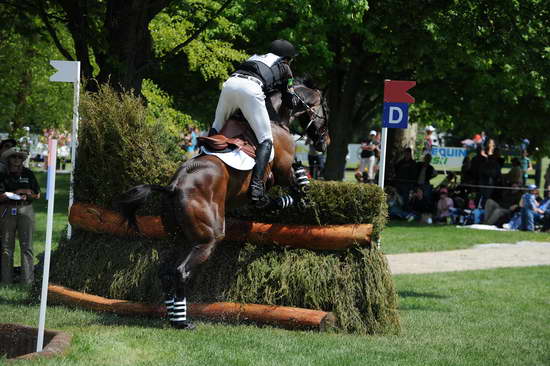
[246, 90]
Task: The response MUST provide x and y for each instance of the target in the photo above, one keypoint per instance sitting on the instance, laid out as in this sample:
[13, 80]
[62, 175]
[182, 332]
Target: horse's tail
[131, 200]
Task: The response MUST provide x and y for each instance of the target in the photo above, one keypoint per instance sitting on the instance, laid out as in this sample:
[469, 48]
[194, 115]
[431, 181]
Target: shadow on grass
[420, 294]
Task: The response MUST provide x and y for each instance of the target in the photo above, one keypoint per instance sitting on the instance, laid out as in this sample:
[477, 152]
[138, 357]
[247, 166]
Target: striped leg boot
[178, 317]
[169, 304]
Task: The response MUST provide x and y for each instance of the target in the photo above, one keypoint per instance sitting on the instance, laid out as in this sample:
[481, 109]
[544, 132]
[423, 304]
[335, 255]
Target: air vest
[269, 68]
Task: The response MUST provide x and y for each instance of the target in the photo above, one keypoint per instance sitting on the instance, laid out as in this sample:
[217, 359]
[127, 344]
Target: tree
[27, 97]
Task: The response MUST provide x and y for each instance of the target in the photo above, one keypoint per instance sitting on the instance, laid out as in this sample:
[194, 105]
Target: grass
[404, 237]
[464, 318]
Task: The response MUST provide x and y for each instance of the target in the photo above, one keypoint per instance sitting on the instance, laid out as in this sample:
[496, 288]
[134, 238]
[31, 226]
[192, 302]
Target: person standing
[369, 146]
[526, 166]
[428, 140]
[4, 146]
[18, 189]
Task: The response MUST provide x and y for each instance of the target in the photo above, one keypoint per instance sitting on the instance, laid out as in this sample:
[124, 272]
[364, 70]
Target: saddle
[235, 134]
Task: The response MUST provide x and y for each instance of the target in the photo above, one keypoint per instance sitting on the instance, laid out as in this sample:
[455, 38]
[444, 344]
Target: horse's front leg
[206, 228]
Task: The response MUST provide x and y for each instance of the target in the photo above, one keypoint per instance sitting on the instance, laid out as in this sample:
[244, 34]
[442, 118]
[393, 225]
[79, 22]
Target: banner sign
[448, 158]
[396, 103]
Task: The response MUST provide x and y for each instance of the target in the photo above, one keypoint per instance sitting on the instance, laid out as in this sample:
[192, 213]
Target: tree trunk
[398, 140]
[129, 44]
[342, 105]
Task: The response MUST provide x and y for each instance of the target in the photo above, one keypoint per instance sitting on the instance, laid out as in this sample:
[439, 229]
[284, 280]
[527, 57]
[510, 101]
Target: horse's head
[311, 112]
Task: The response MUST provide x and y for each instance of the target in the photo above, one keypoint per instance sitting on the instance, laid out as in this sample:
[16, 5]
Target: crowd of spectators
[479, 194]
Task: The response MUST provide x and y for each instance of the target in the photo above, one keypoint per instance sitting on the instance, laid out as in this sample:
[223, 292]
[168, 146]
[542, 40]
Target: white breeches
[369, 163]
[246, 95]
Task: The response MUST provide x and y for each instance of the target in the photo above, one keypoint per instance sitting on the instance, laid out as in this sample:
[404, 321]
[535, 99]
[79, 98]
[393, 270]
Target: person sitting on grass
[445, 206]
[529, 209]
[396, 205]
[421, 205]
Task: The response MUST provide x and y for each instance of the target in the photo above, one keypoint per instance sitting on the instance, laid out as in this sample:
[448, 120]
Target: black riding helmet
[282, 48]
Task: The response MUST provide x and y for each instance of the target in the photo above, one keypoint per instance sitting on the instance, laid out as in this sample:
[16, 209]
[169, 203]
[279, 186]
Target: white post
[50, 193]
[74, 141]
[382, 165]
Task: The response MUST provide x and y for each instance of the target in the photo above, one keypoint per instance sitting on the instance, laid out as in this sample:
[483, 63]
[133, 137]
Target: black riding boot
[256, 190]
[212, 132]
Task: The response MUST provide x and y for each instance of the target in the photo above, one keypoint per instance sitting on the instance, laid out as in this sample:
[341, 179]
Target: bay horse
[195, 201]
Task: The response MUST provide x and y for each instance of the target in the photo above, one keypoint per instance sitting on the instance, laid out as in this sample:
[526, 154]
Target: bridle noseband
[314, 116]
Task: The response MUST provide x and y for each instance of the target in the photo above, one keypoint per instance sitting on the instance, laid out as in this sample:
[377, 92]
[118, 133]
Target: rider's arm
[288, 86]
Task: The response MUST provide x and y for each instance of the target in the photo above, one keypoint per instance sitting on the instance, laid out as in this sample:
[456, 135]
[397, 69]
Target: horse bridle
[314, 116]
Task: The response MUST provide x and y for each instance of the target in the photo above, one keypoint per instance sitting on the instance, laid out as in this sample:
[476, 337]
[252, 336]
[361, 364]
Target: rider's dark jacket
[273, 78]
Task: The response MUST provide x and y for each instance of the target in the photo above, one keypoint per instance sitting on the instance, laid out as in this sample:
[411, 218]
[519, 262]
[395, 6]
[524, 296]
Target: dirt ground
[483, 256]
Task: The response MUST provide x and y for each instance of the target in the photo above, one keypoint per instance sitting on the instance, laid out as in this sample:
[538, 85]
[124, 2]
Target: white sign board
[448, 158]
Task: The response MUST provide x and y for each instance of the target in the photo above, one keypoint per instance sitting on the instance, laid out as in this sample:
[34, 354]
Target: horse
[195, 201]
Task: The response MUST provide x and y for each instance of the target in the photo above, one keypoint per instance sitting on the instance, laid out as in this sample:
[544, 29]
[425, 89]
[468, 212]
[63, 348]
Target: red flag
[395, 91]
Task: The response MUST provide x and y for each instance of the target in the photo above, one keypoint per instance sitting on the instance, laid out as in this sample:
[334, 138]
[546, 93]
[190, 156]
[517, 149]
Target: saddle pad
[236, 159]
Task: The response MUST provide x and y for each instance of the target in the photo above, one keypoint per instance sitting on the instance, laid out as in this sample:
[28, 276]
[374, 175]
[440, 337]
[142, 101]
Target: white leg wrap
[179, 312]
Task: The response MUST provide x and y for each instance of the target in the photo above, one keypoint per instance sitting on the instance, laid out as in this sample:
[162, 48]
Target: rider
[246, 90]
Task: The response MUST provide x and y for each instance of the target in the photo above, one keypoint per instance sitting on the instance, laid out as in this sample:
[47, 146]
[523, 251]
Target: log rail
[284, 316]
[331, 237]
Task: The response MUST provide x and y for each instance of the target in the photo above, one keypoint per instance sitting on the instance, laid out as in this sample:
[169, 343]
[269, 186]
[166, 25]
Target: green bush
[330, 203]
[119, 148]
[355, 284]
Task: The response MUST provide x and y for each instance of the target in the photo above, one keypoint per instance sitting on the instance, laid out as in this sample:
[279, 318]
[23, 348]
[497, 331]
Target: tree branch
[176, 49]
[44, 16]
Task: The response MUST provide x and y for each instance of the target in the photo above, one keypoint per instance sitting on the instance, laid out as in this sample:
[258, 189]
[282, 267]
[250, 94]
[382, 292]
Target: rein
[312, 114]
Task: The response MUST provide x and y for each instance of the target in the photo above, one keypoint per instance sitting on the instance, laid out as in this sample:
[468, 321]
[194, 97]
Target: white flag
[67, 71]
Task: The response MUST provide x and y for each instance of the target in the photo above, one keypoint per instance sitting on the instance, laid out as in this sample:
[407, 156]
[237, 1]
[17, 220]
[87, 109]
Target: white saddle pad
[236, 159]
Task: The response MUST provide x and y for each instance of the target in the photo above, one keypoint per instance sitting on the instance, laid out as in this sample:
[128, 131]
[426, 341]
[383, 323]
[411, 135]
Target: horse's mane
[305, 81]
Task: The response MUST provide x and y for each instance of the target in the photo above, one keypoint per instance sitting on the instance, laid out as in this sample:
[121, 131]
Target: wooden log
[284, 316]
[331, 237]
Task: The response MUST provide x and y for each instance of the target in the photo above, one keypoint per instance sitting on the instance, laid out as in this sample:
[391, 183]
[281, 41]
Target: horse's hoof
[183, 325]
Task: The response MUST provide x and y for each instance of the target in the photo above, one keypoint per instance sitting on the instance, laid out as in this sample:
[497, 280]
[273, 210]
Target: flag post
[50, 193]
[395, 115]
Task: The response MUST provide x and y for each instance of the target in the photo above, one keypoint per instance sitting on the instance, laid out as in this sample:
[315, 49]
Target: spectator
[529, 208]
[489, 175]
[546, 193]
[515, 175]
[445, 206]
[476, 164]
[425, 173]
[369, 146]
[525, 164]
[496, 213]
[428, 140]
[18, 189]
[405, 175]
[396, 205]
[466, 176]
[421, 205]
[4, 146]
[316, 160]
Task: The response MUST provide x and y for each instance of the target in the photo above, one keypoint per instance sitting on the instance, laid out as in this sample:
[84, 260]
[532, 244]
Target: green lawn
[492, 317]
[404, 237]
[468, 318]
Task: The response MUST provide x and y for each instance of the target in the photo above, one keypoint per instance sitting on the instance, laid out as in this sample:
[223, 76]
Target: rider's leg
[252, 106]
[227, 103]
[257, 189]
